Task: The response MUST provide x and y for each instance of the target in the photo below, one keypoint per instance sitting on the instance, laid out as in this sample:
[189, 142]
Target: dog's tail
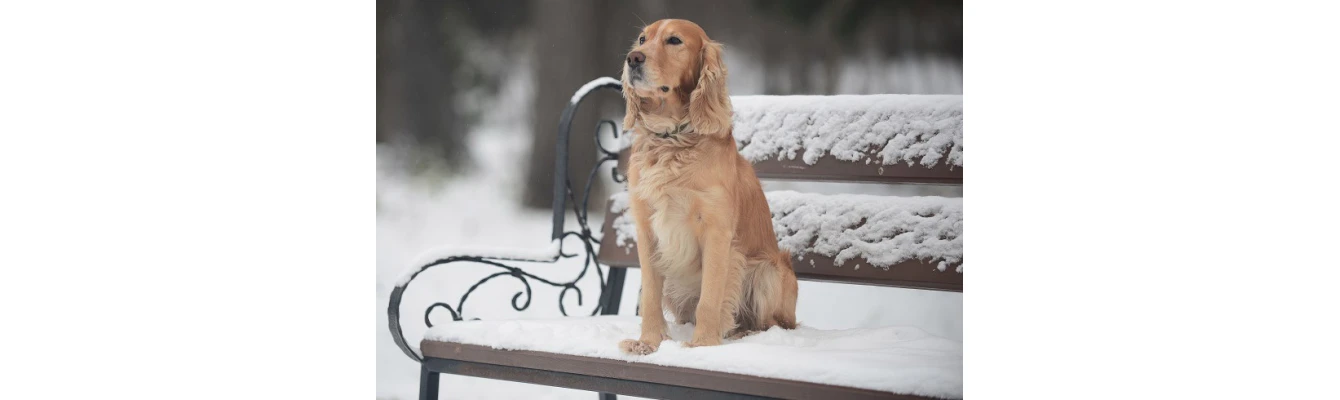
[786, 315]
[770, 293]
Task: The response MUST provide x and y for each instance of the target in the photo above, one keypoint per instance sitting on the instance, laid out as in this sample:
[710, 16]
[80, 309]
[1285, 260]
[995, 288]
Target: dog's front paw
[639, 347]
[707, 341]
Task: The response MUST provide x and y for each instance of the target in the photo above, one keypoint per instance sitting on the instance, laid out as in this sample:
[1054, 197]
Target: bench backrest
[913, 242]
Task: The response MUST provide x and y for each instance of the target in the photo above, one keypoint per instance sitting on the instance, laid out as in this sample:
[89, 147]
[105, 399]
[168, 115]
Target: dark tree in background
[421, 69]
[573, 46]
[902, 28]
[414, 88]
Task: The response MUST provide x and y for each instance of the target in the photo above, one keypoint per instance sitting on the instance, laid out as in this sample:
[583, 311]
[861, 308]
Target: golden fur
[704, 232]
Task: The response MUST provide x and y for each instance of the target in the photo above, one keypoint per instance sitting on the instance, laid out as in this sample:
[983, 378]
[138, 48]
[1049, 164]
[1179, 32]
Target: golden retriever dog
[704, 232]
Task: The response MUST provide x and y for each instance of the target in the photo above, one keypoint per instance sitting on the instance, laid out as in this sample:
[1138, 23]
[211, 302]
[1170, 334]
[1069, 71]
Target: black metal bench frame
[611, 284]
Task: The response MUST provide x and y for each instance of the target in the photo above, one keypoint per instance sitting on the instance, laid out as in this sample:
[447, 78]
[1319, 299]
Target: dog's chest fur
[663, 187]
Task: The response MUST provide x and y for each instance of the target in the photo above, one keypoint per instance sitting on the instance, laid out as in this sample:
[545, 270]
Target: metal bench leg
[610, 298]
[609, 305]
[428, 381]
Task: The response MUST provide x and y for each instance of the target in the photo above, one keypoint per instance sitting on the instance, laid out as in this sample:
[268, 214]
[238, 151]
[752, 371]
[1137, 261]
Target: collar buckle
[681, 128]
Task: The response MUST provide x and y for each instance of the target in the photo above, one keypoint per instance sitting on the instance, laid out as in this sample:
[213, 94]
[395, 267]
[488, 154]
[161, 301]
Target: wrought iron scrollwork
[611, 284]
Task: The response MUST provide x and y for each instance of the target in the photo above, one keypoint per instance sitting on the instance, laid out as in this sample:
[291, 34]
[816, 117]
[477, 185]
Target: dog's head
[675, 69]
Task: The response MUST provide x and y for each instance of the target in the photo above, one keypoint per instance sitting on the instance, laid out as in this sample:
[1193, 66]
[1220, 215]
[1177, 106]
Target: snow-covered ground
[478, 209]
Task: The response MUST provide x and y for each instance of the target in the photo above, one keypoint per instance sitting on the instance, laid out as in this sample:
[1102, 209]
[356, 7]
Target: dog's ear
[709, 104]
[630, 104]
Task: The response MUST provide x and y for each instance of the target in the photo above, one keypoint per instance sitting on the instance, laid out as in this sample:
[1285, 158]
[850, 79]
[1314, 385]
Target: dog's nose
[636, 58]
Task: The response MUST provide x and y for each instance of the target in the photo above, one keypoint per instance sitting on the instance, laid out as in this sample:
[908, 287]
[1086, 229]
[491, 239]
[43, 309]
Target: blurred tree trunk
[414, 89]
[428, 58]
[573, 47]
[387, 90]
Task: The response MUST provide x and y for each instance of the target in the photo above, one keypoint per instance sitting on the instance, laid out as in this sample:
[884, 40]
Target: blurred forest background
[441, 64]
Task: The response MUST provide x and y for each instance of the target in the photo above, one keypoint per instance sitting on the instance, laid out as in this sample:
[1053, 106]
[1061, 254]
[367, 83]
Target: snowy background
[422, 205]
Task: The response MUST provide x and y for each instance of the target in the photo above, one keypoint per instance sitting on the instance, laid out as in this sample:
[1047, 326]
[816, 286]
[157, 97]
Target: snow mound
[891, 359]
[592, 85]
[543, 254]
[884, 129]
[623, 225]
[882, 230]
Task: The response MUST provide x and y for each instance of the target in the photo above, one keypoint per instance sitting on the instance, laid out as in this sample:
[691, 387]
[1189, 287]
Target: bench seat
[889, 362]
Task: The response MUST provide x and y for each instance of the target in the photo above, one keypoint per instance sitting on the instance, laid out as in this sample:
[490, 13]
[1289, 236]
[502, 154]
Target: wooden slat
[639, 372]
[831, 169]
[912, 274]
[569, 380]
[610, 253]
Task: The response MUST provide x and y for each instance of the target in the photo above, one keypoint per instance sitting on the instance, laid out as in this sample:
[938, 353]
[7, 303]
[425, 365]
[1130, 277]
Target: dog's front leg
[653, 283]
[721, 279]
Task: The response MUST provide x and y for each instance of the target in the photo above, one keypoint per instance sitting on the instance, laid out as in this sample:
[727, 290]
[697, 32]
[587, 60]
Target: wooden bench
[770, 125]
[913, 242]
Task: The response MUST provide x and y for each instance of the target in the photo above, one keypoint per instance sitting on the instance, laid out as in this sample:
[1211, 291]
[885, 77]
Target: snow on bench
[891, 359]
[882, 230]
[884, 129]
[925, 130]
[548, 253]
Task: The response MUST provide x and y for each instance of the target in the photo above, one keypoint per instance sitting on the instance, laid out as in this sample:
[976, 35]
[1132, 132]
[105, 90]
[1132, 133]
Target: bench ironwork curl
[611, 279]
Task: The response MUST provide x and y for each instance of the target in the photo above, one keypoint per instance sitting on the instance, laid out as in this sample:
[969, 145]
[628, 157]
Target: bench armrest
[487, 256]
[610, 288]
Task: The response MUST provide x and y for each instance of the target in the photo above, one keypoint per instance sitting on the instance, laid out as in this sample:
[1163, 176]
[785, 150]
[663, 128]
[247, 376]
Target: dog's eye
[673, 40]
[641, 39]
